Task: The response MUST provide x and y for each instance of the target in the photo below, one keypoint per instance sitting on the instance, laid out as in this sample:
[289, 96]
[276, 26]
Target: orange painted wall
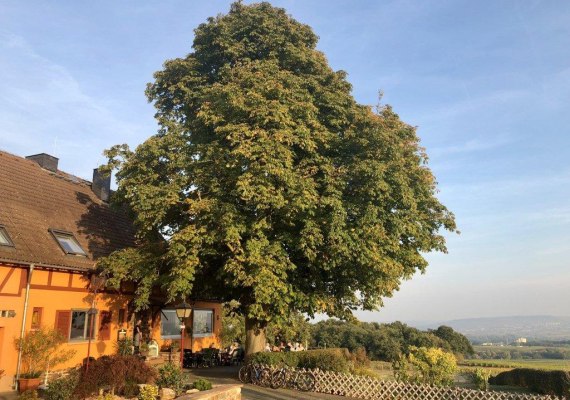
[52, 291]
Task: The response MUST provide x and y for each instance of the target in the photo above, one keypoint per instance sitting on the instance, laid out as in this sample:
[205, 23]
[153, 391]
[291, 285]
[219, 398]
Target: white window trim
[86, 339]
[200, 335]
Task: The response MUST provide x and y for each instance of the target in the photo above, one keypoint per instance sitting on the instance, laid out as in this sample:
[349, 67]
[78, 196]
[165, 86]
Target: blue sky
[487, 83]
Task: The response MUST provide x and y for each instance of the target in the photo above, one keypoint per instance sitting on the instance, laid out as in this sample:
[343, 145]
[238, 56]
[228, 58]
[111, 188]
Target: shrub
[426, 365]
[170, 375]
[63, 388]
[41, 348]
[29, 395]
[120, 373]
[479, 377]
[124, 347]
[202, 384]
[148, 392]
[545, 382]
[337, 360]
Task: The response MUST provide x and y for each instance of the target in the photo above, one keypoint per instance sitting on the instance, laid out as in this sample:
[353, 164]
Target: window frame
[35, 325]
[86, 328]
[57, 233]
[4, 233]
[162, 315]
[213, 321]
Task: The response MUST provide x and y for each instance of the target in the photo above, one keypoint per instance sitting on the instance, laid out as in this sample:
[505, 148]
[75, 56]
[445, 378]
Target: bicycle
[304, 381]
[255, 374]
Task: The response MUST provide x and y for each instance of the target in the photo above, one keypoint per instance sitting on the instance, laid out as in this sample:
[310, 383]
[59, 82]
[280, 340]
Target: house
[53, 228]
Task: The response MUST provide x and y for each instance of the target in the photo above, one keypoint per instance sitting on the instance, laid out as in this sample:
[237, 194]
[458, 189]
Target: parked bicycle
[256, 374]
[294, 379]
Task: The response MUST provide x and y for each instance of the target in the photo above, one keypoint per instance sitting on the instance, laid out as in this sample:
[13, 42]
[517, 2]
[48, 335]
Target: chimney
[45, 161]
[101, 185]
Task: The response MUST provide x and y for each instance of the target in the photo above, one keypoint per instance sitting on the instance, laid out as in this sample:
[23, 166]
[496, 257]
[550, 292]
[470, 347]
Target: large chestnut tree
[267, 183]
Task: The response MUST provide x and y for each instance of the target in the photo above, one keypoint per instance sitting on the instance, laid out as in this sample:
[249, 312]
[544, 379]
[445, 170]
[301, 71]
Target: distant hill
[502, 329]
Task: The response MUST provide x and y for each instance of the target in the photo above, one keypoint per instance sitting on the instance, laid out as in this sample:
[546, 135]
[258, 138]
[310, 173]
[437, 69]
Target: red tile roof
[34, 200]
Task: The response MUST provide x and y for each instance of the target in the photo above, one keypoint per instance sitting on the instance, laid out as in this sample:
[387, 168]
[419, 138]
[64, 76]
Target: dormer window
[68, 243]
[4, 238]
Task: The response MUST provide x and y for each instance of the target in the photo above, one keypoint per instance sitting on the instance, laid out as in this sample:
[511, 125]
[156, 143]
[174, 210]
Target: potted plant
[40, 349]
[144, 349]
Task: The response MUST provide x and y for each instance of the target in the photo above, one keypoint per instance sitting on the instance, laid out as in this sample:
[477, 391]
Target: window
[4, 238]
[37, 317]
[169, 325]
[68, 243]
[80, 324]
[203, 323]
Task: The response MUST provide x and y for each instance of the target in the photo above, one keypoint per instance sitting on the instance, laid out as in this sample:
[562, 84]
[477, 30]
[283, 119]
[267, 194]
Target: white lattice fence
[364, 387]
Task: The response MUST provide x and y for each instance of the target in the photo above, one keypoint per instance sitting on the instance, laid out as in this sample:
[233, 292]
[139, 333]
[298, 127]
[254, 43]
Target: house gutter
[31, 270]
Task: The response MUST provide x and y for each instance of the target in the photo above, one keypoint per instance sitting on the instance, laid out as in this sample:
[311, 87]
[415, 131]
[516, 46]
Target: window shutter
[105, 325]
[63, 322]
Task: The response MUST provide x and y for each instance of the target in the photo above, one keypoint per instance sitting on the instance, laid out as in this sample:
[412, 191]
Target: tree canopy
[267, 183]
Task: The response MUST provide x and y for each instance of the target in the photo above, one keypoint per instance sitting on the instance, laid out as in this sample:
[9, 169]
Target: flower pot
[28, 384]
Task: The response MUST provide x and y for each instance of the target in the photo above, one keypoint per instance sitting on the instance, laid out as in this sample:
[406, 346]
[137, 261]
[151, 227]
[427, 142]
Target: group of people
[282, 346]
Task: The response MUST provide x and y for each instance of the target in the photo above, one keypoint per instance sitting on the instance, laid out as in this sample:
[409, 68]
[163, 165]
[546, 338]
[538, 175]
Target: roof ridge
[59, 174]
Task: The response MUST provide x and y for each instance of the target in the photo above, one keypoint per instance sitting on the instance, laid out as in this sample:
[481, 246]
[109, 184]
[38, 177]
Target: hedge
[541, 381]
[338, 360]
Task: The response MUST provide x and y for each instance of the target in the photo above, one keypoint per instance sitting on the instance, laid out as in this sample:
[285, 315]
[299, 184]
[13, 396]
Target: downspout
[24, 323]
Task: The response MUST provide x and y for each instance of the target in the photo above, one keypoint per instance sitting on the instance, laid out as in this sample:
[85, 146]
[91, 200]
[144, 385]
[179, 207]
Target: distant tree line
[387, 342]
[523, 354]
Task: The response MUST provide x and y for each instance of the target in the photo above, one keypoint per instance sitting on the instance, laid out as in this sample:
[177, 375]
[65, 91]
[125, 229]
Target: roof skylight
[4, 238]
[68, 243]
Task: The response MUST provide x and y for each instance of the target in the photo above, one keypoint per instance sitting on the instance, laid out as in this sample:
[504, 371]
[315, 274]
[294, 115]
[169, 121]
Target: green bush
[63, 388]
[171, 376]
[433, 366]
[120, 373]
[545, 382]
[29, 395]
[148, 392]
[479, 377]
[124, 347]
[202, 384]
[338, 360]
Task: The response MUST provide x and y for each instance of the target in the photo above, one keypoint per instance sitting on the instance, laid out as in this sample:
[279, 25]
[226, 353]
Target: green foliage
[480, 377]
[148, 392]
[202, 384]
[121, 373]
[41, 349]
[545, 382]
[382, 341]
[267, 182]
[63, 388]
[338, 360]
[291, 328]
[124, 347]
[171, 376]
[106, 396]
[458, 343]
[426, 365]
[29, 395]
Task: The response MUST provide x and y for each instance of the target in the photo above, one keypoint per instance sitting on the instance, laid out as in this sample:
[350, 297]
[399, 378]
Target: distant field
[508, 364]
[478, 348]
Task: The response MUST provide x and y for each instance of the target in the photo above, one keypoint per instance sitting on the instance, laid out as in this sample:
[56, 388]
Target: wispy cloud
[43, 108]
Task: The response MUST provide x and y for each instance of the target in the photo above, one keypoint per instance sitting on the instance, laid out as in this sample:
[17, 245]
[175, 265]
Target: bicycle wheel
[305, 381]
[245, 374]
[278, 379]
[264, 377]
[255, 374]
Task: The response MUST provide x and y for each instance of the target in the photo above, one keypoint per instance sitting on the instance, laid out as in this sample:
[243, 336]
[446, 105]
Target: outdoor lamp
[183, 311]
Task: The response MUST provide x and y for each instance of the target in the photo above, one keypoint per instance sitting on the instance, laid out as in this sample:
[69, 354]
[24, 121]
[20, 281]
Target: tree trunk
[254, 336]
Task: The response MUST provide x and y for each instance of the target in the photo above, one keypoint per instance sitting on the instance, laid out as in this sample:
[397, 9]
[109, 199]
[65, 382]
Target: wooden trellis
[364, 387]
